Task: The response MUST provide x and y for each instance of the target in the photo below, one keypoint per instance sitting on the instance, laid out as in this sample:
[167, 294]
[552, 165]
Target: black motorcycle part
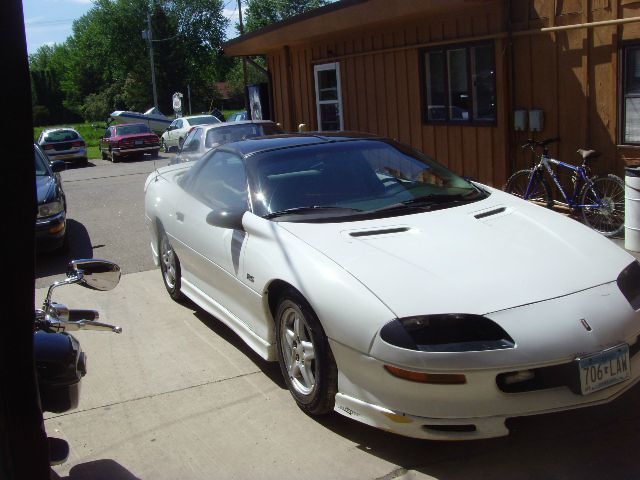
[60, 365]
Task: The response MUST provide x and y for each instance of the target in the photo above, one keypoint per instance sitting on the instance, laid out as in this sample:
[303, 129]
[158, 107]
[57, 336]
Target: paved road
[105, 217]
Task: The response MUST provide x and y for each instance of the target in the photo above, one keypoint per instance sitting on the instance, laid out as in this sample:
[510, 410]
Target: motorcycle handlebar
[79, 314]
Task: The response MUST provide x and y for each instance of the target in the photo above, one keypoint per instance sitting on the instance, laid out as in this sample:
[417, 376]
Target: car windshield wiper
[431, 201]
[313, 208]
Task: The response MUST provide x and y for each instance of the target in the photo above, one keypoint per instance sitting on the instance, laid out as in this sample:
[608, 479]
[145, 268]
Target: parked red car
[128, 139]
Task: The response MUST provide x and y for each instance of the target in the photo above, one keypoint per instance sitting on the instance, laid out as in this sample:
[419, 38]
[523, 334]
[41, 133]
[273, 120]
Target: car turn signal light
[422, 377]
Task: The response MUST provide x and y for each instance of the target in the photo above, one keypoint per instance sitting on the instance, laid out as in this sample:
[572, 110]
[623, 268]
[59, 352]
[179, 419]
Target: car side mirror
[57, 166]
[231, 218]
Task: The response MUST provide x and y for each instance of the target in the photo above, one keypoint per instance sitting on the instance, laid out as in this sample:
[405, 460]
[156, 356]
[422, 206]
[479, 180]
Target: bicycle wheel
[540, 192]
[606, 197]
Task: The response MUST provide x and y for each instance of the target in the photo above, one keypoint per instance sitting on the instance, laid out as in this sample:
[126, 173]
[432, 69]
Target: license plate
[139, 142]
[603, 369]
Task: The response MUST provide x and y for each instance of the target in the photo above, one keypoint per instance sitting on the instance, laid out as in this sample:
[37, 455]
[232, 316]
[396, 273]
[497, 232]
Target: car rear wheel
[304, 355]
[170, 267]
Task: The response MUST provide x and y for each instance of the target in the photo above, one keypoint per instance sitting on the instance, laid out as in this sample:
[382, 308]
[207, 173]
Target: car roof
[255, 145]
[58, 129]
[129, 124]
[231, 124]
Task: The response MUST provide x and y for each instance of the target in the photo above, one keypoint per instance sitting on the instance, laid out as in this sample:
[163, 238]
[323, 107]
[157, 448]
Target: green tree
[260, 13]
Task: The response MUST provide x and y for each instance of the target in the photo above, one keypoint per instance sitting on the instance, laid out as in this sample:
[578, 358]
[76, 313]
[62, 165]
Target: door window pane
[327, 85]
[330, 116]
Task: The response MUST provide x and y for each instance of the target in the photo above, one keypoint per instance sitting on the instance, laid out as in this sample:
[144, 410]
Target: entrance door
[328, 96]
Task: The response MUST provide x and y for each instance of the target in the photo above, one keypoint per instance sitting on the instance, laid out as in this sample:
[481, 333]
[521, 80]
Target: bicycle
[600, 199]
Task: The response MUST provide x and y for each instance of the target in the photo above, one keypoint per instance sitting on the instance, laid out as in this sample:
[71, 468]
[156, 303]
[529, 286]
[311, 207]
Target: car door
[171, 133]
[211, 256]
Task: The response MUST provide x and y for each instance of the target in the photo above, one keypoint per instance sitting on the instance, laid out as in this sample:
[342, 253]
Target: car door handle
[180, 216]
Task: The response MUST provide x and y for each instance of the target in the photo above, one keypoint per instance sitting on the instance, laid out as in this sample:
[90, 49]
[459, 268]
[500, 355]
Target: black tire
[113, 157]
[313, 383]
[518, 183]
[163, 146]
[169, 266]
[180, 143]
[609, 218]
[103, 154]
[155, 153]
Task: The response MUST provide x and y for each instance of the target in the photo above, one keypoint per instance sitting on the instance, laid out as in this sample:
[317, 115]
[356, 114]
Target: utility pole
[244, 60]
[153, 68]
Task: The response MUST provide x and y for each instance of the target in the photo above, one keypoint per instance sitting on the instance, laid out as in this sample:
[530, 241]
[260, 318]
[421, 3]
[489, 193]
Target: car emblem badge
[585, 324]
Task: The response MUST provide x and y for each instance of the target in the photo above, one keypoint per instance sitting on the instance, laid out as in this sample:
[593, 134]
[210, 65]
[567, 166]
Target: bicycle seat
[588, 154]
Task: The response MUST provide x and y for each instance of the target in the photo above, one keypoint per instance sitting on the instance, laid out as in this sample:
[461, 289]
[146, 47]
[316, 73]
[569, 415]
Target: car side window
[221, 182]
[107, 133]
[173, 125]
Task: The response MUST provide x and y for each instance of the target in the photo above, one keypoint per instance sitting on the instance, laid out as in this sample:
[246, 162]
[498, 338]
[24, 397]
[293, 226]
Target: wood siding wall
[382, 92]
[572, 76]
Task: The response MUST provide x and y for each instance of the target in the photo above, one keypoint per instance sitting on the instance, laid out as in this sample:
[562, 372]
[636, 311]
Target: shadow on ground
[591, 443]
[54, 263]
[270, 369]
[97, 470]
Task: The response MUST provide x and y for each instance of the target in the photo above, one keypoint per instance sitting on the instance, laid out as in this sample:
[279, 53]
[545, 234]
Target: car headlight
[51, 208]
[629, 284]
[452, 332]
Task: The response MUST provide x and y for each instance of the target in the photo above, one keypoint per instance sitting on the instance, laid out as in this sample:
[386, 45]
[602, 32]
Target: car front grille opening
[450, 428]
[564, 375]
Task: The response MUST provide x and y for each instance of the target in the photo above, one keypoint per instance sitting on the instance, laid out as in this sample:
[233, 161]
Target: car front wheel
[170, 267]
[304, 355]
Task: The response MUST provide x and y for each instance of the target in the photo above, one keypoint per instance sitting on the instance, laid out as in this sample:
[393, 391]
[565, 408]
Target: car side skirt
[260, 346]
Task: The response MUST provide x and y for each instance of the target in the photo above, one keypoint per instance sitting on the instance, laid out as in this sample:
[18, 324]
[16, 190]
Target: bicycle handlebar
[543, 143]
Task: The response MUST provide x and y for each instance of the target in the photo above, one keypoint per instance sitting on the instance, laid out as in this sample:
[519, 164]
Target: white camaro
[393, 291]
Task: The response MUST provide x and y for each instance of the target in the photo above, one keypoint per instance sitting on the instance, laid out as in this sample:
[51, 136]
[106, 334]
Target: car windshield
[204, 120]
[41, 168]
[132, 129]
[352, 179]
[234, 133]
[60, 136]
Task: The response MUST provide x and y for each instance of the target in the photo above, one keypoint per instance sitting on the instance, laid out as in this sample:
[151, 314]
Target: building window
[631, 95]
[460, 84]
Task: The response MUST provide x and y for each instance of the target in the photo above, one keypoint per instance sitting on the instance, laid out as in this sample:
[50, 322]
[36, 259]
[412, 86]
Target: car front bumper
[50, 232]
[479, 408]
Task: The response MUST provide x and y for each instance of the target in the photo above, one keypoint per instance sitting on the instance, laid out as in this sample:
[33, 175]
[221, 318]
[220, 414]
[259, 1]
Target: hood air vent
[386, 231]
[489, 213]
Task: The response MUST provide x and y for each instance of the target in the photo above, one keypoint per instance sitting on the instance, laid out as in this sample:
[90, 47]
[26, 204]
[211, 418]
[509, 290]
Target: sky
[49, 21]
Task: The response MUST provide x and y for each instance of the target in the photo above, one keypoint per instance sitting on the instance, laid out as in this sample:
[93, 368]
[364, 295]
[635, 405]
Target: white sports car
[393, 291]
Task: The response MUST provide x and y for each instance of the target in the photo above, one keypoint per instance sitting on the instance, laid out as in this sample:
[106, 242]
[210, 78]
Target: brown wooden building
[448, 76]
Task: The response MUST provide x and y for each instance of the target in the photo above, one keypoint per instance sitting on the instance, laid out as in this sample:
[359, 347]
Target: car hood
[478, 258]
[46, 189]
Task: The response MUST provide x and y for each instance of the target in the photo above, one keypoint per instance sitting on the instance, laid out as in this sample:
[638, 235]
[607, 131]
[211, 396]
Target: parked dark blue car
[51, 221]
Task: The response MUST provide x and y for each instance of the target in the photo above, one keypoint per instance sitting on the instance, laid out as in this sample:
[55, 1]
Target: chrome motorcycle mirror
[93, 273]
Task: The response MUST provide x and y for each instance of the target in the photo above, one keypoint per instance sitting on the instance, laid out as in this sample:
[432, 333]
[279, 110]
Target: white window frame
[320, 68]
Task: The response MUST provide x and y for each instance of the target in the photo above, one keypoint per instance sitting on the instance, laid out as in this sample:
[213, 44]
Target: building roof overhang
[338, 18]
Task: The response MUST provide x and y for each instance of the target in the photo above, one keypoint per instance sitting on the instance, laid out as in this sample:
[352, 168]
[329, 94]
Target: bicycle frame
[572, 202]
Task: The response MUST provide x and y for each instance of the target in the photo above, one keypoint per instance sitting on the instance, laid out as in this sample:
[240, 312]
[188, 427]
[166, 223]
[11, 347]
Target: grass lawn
[92, 135]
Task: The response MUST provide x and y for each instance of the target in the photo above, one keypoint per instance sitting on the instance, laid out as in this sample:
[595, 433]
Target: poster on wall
[254, 102]
[258, 95]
